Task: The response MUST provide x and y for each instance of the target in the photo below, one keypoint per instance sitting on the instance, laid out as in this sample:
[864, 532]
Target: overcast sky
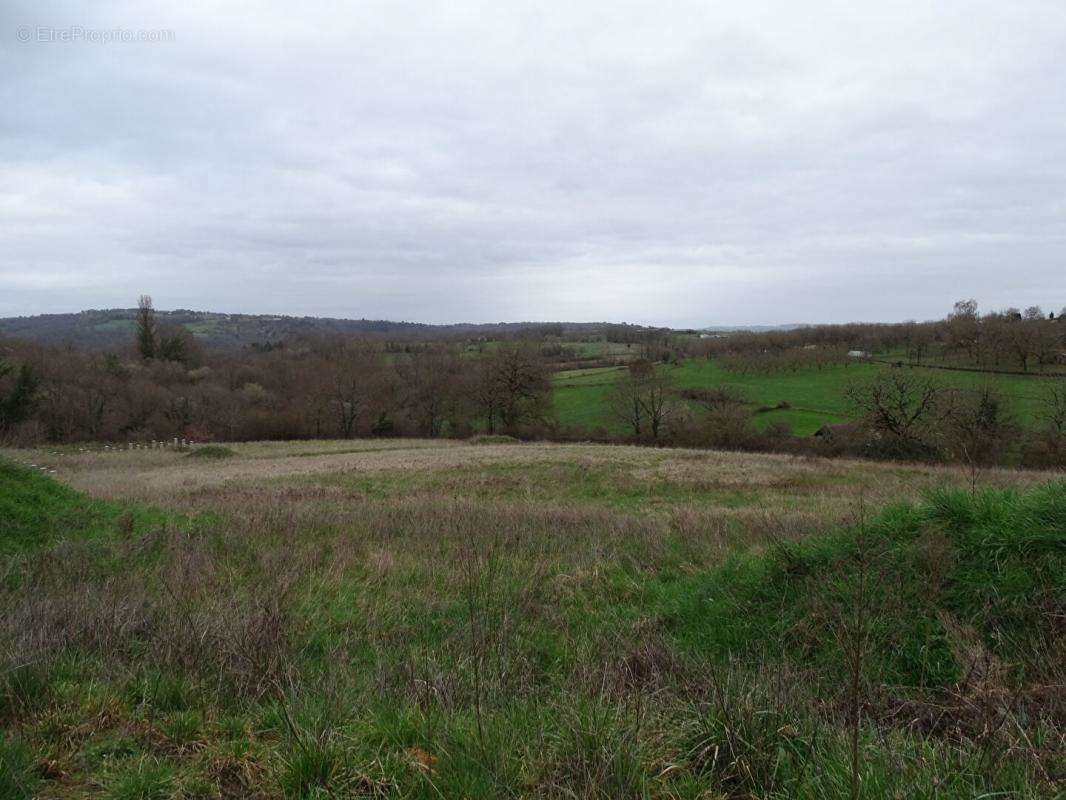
[723, 161]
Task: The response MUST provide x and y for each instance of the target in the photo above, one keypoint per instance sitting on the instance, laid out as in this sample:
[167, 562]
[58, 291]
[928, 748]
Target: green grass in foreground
[36, 510]
[952, 584]
[434, 646]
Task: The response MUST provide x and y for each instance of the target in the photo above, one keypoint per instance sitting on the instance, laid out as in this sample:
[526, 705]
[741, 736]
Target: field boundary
[968, 369]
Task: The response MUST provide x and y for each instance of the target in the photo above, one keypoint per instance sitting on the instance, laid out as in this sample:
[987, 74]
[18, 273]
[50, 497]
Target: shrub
[729, 426]
[711, 396]
[777, 430]
[1044, 450]
[957, 577]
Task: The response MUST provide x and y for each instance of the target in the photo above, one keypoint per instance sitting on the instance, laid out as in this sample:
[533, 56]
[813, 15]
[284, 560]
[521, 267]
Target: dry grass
[168, 478]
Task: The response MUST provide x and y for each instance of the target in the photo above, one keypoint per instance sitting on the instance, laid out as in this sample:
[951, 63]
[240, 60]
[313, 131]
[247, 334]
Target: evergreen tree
[15, 406]
[146, 328]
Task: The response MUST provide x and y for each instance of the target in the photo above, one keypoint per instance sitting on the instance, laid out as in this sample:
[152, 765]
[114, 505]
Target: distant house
[859, 353]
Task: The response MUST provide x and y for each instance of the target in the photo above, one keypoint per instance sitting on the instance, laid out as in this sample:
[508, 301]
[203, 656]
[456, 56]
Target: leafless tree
[643, 399]
[349, 372]
[625, 404]
[430, 386]
[977, 428]
[901, 406]
[511, 384]
[964, 328]
[1053, 407]
[917, 338]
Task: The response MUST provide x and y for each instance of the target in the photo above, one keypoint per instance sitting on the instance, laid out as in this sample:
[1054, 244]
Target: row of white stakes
[174, 444]
[161, 444]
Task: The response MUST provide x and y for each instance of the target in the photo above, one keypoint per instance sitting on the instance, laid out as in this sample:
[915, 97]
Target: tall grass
[301, 643]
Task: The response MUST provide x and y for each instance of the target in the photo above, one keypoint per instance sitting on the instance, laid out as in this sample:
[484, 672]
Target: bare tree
[977, 428]
[625, 404]
[900, 406]
[512, 383]
[917, 339]
[430, 385]
[349, 381]
[964, 328]
[643, 399]
[1021, 340]
[1053, 407]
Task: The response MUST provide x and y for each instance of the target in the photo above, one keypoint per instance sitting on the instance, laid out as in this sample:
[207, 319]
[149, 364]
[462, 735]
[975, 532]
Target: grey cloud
[681, 164]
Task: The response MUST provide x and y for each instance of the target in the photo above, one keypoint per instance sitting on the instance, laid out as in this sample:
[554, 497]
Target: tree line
[1015, 340]
[165, 385]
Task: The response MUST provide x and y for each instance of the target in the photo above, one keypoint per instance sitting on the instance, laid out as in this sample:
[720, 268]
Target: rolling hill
[113, 328]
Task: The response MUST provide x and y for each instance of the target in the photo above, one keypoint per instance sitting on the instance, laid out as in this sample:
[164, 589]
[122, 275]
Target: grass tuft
[148, 780]
[18, 781]
[312, 768]
[211, 452]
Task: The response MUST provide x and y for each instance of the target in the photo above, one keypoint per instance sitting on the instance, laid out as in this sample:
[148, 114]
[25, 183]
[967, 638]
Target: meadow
[431, 618]
[814, 396]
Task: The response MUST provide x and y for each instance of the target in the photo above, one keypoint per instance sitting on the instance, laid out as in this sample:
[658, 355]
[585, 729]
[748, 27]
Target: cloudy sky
[722, 161]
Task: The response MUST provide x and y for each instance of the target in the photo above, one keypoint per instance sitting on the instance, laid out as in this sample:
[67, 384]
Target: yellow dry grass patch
[774, 483]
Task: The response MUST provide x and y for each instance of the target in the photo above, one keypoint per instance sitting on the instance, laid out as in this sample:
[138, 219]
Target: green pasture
[814, 396]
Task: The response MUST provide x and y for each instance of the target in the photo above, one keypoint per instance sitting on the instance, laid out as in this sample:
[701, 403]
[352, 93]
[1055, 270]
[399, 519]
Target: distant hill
[102, 329]
[753, 328]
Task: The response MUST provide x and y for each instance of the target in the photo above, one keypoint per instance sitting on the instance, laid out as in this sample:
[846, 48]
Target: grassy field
[442, 619]
[815, 396]
[943, 358]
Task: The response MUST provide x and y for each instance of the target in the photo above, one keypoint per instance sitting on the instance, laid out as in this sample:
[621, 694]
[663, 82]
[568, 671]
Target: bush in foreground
[950, 587]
